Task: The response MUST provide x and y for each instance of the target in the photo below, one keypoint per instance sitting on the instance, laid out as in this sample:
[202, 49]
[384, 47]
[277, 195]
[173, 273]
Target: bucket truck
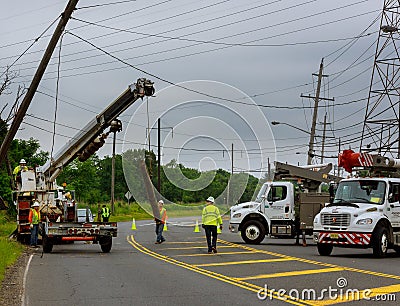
[57, 206]
[365, 212]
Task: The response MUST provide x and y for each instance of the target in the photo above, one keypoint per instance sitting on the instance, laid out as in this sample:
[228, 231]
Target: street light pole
[292, 126]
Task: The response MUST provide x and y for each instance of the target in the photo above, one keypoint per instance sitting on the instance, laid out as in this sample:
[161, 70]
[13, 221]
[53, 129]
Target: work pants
[211, 236]
[34, 234]
[159, 231]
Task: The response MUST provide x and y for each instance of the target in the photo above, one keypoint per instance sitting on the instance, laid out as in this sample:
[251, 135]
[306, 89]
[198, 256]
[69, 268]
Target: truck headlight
[238, 215]
[364, 221]
[316, 220]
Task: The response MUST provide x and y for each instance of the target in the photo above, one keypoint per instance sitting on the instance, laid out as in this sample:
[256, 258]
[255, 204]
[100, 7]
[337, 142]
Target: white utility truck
[365, 212]
[283, 208]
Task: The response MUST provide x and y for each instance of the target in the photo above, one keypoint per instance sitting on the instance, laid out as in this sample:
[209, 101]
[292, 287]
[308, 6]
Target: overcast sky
[260, 53]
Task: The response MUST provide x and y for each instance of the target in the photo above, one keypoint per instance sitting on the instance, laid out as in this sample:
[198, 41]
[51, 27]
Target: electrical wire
[30, 46]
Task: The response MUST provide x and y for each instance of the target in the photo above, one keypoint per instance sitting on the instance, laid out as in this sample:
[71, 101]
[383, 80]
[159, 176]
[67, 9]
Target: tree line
[91, 179]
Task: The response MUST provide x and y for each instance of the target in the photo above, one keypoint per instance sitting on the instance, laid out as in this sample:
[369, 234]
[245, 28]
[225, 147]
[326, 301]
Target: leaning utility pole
[36, 79]
[314, 120]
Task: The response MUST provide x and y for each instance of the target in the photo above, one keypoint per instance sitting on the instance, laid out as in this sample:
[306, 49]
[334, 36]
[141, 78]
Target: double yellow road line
[230, 280]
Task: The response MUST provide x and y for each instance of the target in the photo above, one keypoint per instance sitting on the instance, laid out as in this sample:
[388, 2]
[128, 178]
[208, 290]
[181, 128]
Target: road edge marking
[24, 281]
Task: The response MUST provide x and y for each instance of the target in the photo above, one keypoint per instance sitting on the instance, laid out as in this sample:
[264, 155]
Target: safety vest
[211, 215]
[18, 169]
[105, 212]
[163, 215]
[35, 216]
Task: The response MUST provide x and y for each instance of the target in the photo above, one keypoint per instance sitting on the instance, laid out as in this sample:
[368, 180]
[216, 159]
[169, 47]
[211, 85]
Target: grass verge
[9, 250]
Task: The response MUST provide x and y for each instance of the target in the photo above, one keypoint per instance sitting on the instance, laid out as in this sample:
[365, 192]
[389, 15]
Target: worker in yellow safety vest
[34, 219]
[160, 222]
[17, 172]
[211, 219]
[105, 213]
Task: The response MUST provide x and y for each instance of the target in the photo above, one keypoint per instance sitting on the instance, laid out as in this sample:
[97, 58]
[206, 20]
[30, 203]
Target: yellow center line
[217, 276]
[385, 275]
[184, 242]
[220, 253]
[196, 247]
[291, 273]
[227, 263]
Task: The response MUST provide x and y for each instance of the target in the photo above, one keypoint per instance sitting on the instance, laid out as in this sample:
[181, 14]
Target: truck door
[276, 201]
[394, 204]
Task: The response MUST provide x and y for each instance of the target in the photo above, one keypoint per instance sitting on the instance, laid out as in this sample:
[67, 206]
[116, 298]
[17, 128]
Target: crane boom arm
[311, 179]
[90, 138]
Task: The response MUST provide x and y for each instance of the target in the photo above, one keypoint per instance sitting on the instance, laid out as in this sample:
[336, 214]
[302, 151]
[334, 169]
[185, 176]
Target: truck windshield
[362, 191]
[261, 193]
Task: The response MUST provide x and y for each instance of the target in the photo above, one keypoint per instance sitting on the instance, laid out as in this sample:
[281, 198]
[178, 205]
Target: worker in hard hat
[34, 220]
[17, 172]
[160, 222]
[105, 213]
[211, 219]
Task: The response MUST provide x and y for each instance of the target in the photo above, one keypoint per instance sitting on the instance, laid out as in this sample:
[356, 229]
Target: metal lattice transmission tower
[382, 117]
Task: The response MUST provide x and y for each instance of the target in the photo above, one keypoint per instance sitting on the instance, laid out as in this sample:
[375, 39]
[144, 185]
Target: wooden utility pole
[36, 79]
[314, 120]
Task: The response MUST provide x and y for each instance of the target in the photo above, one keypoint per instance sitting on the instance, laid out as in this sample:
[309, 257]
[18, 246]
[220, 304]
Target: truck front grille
[335, 219]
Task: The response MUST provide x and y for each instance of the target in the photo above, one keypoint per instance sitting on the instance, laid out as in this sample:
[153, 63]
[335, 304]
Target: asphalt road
[180, 272]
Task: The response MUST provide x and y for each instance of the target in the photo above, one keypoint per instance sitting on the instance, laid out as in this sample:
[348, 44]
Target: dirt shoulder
[11, 289]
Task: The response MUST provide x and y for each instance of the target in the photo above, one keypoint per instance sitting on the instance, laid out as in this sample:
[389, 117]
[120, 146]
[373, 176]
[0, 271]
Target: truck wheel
[47, 244]
[106, 244]
[324, 249]
[380, 242]
[253, 232]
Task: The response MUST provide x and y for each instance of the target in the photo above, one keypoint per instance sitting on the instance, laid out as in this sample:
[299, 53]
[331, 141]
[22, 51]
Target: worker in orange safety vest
[160, 222]
[34, 219]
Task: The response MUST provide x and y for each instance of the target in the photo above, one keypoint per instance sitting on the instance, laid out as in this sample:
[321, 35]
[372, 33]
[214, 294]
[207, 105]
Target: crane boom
[91, 137]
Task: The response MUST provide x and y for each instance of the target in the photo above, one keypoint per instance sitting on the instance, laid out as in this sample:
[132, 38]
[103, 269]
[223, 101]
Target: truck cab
[272, 212]
[365, 213]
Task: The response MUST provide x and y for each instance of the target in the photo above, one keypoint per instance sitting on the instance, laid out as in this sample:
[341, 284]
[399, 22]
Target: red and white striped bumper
[344, 238]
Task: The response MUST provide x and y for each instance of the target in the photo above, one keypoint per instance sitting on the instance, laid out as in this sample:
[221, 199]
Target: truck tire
[380, 242]
[106, 244]
[253, 232]
[324, 249]
[47, 244]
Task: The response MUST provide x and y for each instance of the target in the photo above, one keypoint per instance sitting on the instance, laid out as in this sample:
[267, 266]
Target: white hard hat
[22, 161]
[210, 199]
[161, 202]
[36, 204]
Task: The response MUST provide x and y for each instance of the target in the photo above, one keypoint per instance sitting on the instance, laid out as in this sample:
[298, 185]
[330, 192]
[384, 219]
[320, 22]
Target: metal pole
[232, 161]
[37, 78]
[159, 157]
[113, 174]
[323, 141]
